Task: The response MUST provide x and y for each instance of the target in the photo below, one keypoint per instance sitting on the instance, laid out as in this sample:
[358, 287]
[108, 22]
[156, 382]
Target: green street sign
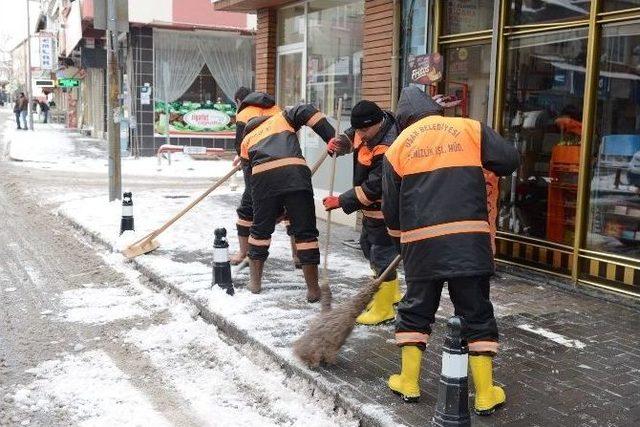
[68, 82]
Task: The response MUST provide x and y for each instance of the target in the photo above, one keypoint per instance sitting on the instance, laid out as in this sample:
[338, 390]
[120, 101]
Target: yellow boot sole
[409, 394]
[484, 406]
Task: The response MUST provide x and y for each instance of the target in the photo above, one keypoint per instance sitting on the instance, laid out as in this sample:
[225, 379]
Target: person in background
[44, 110]
[17, 107]
[24, 108]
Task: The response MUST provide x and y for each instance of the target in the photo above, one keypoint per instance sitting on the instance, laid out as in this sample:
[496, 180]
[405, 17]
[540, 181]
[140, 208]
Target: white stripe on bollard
[127, 210]
[220, 255]
[454, 365]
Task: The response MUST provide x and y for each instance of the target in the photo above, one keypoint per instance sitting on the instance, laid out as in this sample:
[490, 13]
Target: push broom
[148, 242]
[329, 330]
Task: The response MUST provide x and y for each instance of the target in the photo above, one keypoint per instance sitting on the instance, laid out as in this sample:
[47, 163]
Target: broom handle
[394, 264]
[332, 179]
[218, 183]
[319, 162]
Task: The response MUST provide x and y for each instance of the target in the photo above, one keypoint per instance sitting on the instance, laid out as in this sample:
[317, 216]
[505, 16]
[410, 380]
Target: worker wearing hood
[435, 207]
[250, 105]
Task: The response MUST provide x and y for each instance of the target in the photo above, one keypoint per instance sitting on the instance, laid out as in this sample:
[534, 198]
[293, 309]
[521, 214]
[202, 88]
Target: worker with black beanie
[372, 132]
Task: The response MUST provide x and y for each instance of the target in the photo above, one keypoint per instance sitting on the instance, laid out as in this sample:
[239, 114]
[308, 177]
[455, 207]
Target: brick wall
[377, 50]
[266, 51]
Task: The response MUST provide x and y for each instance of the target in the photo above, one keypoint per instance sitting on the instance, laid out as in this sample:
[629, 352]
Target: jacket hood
[258, 99]
[414, 104]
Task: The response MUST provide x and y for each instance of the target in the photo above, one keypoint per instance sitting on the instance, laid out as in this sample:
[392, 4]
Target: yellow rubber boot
[488, 396]
[397, 293]
[381, 309]
[407, 383]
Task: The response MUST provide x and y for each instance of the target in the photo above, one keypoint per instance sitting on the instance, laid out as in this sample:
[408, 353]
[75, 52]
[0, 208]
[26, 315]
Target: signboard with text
[186, 117]
[426, 69]
[46, 53]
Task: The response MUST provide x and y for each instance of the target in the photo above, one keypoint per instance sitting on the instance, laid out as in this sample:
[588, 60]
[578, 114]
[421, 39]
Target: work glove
[330, 203]
[340, 145]
[447, 101]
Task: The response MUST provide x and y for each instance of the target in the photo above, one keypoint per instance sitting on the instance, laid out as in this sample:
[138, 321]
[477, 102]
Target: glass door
[290, 82]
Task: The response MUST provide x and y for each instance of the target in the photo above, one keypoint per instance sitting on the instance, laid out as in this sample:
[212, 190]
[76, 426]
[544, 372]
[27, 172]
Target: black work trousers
[379, 252]
[470, 297]
[301, 214]
[245, 210]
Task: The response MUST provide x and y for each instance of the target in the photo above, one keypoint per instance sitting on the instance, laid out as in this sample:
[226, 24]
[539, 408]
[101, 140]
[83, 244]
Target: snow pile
[50, 147]
[91, 389]
[557, 338]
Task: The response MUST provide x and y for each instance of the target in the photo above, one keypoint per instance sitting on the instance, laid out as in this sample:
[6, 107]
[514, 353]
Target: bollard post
[221, 264]
[126, 223]
[452, 408]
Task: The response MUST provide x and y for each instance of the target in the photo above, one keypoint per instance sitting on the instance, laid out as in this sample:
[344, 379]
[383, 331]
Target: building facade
[560, 80]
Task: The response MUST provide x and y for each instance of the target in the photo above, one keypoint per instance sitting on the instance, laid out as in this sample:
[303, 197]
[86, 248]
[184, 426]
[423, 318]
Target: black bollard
[221, 264]
[126, 223]
[452, 408]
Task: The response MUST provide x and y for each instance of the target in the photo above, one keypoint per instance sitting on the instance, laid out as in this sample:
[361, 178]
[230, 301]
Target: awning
[246, 5]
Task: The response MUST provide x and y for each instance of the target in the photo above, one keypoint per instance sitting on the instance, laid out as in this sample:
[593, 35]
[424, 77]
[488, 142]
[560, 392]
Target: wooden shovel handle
[218, 183]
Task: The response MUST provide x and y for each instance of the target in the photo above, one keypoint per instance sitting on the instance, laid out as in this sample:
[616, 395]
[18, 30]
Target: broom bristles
[329, 330]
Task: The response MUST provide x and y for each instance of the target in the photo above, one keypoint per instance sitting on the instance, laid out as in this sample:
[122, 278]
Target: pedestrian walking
[250, 105]
[372, 132]
[435, 206]
[280, 177]
[24, 109]
[17, 108]
[44, 110]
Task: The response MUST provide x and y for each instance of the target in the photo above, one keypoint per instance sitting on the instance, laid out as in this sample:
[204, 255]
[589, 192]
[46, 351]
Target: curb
[240, 336]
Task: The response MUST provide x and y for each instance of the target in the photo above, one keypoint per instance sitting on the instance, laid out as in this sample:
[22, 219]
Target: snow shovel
[148, 242]
[325, 290]
[329, 330]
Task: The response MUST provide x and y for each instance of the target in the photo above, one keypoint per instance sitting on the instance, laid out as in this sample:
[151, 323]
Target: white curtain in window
[229, 58]
[177, 63]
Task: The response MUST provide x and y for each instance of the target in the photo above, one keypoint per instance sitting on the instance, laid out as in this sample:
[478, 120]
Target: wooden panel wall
[377, 51]
[266, 51]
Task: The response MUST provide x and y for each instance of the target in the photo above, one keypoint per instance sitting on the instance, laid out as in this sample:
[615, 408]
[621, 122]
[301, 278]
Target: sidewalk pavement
[566, 359]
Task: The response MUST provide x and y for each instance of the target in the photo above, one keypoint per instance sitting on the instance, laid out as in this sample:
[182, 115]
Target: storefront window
[543, 118]
[291, 25]
[464, 16]
[523, 12]
[334, 68]
[614, 220]
[467, 78]
[195, 77]
[611, 5]
[414, 33]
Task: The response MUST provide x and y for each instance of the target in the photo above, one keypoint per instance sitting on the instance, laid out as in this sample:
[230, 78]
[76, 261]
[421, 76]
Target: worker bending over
[280, 177]
[435, 206]
[372, 132]
[250, 105]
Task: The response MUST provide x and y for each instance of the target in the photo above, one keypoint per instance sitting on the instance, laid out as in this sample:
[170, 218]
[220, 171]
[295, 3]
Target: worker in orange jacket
[435, 206]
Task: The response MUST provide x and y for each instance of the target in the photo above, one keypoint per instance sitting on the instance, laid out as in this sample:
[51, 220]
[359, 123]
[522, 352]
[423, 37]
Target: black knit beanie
[365, 114]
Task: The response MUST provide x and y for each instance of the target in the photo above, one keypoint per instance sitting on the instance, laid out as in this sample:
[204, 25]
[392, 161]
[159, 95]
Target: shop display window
[614, 215]
[465, 16]
[543, 117]
[523, 12]
[466, 75]
[613, 5]
[414, 33]
[291, 25]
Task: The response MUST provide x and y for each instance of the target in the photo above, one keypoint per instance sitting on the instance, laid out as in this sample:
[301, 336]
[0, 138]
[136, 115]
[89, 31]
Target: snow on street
[84, 341]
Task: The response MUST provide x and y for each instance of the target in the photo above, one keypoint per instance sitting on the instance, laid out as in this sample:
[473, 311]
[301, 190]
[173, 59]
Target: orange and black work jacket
[272, 149]
[256, 104]
[434, 195]
[366, 194]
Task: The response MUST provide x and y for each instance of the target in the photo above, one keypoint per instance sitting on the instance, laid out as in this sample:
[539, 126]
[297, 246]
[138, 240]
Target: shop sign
[426, 69]
[206, 119]
[68, 82]
[43, 83]
[46, 53]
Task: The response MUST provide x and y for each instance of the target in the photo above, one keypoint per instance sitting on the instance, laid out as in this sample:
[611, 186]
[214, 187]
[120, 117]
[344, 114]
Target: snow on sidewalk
[52, 147]
[276, 317]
